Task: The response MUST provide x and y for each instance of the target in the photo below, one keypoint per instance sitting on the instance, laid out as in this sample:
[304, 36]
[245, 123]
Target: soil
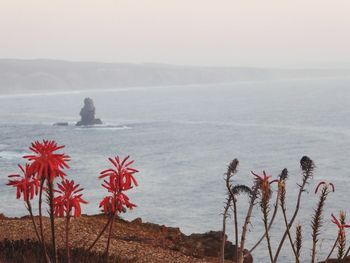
[131, 241]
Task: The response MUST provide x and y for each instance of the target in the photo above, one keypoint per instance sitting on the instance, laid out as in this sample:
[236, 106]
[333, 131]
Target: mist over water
[182, 139]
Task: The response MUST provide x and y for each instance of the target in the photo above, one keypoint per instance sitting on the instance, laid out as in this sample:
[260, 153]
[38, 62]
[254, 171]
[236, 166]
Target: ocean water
[182, 139]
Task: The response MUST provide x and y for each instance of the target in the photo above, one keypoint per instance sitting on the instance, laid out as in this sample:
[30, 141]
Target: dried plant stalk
[341, 240]
[283, 176]
[307, 166]
[341, 244]
[231, 171]
[298, 239]
[341, 236]
[265, 208]
[282, 187]
[252, 202]
[316, 223]
[333, 247]
[346, 253]
[225, 215]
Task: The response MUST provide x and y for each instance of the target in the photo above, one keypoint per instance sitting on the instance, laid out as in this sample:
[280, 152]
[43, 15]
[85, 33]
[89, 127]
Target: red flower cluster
[68, 199]
[45, 162]
[28, 184]
[118, 180]
[44, 166]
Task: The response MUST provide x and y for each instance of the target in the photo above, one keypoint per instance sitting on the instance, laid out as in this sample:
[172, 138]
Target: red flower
[265, 183]
[68, 199]
[119, 180]
[123, 172]
[45, 162]
[326, 184]
[265, 178]
[116, 203]
[340, 225]
[28, 184]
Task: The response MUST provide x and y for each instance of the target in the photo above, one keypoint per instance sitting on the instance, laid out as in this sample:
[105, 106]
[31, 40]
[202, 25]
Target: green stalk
[100, 234]
[67, 239]
[29, 208]
[109, 237]
[52, 218]
[47, 258]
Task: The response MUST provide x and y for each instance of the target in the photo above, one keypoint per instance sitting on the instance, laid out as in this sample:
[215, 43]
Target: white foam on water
[104, 127]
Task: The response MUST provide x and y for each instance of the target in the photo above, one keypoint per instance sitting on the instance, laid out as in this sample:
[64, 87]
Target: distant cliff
[27, 76]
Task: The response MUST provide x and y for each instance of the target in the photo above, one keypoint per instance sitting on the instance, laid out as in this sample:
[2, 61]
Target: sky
[249, 33]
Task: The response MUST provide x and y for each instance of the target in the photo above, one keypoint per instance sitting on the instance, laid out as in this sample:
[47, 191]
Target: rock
[87, 114]
[60, 124]
[137, 221]
[209, 245]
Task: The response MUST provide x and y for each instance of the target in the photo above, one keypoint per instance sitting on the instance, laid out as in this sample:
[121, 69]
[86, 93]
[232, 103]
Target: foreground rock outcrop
[131, 241]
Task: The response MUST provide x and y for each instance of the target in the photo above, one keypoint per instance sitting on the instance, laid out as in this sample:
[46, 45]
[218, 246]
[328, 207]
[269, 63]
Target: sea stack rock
[87, 114]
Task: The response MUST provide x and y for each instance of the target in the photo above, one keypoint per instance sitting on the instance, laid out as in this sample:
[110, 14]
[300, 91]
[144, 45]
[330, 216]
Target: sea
[183, 137]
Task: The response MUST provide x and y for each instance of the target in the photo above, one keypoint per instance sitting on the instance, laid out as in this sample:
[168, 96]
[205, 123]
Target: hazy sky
[274, 33]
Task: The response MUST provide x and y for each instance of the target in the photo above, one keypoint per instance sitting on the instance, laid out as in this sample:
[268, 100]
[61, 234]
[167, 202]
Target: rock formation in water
[60, 124]
[87, 114]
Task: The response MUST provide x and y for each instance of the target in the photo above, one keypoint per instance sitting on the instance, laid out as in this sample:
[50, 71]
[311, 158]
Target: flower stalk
[252, 201]
[45, 166]
[341, 235]
[109, 235]
[68, 198]
[116, 181]
[231, 171]
[223, 237]
[298, 240]
[307, 167]
[317, 217]
[67, 239]
[30, 210]
[100, 234]
[265, 190]
[50, 193]
[282, 187]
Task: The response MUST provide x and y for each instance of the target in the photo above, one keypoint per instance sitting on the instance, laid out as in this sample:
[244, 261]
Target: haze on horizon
[270, 33]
